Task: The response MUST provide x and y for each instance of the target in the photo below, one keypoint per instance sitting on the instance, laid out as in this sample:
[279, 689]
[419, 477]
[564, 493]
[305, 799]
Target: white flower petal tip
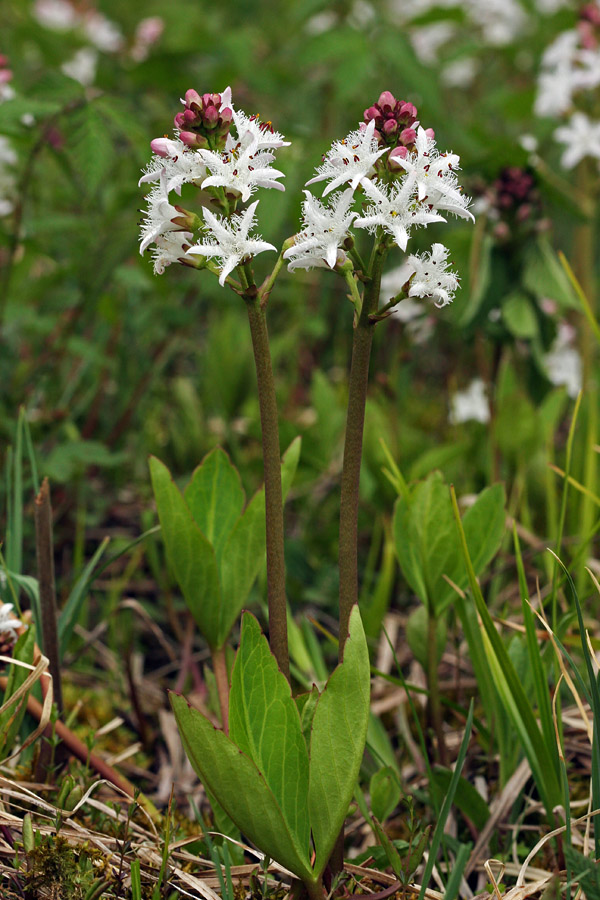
[350, 160]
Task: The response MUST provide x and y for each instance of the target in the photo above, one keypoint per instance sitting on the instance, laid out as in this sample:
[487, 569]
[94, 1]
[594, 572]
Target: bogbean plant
[284, 768]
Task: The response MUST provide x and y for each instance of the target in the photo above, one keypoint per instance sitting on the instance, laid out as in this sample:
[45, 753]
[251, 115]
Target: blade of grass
[456, 873]
[595, 703]
[136, 881]
[540, 679]
[511, 690]
[70, 611]
[31, 455]
[563, 510]
[585, 303]
[447, 804]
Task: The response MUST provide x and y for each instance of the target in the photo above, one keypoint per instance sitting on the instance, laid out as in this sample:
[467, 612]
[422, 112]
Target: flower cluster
[227, 155]
[398, 180]
[513, 205]
[570, 71]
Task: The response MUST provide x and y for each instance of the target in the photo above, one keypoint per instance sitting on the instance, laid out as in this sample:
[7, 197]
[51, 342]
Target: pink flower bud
[408, 136]
[386, 99]
[407, 111]
[396, 154]
[390, 126]
[227, 115]
[371, 113]
[160, 146]
[211, 116]
[192, 96]
[190, 139]
[430, 133]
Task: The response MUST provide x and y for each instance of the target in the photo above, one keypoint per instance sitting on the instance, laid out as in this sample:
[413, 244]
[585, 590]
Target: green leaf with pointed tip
[239, 787]
[384, 789]
[265, 724]
[243, 555]
[216, 498]
[337, 743]
[190, 555]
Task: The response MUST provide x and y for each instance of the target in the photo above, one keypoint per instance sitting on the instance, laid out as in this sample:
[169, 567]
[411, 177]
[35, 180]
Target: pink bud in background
[430, 133]
[408, 136]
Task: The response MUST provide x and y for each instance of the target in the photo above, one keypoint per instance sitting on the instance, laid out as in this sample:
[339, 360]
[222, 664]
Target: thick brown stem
[355, 420]
[45, 566]
[273, 493]
[219, 658]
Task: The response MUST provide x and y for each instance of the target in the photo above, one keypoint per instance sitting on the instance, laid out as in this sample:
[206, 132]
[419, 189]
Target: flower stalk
[355, 419]
[272, 472]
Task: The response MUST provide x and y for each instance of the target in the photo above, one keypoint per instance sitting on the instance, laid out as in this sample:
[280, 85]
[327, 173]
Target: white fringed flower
[396, 209]
[241, 168]
[324, 229]
[251, 130]
[230, 242]
[170, 248]
[159, 214]
[350, 160]
[431, 277]
[434, 175]
[180, 164]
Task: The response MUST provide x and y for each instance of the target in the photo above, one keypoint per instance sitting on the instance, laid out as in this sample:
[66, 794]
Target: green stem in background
[219, 661]
[357, 398]
[272, 469]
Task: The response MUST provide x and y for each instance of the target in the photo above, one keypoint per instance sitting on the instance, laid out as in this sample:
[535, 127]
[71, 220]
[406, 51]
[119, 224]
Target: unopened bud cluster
[514, 205]
[205, 121]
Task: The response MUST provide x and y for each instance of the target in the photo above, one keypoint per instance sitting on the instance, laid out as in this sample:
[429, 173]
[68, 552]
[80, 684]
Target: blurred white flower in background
[582, 137]
[82, 66]
[563, 363]
[470, 405]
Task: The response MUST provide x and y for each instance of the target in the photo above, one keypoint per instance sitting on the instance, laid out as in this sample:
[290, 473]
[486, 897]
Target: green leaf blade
[238, 786]
[216, 498]
[337, 743]
[265, 724]
[190, 554]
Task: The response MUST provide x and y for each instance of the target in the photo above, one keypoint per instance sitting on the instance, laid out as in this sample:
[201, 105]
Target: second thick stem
[273, 492]
[355, 421]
